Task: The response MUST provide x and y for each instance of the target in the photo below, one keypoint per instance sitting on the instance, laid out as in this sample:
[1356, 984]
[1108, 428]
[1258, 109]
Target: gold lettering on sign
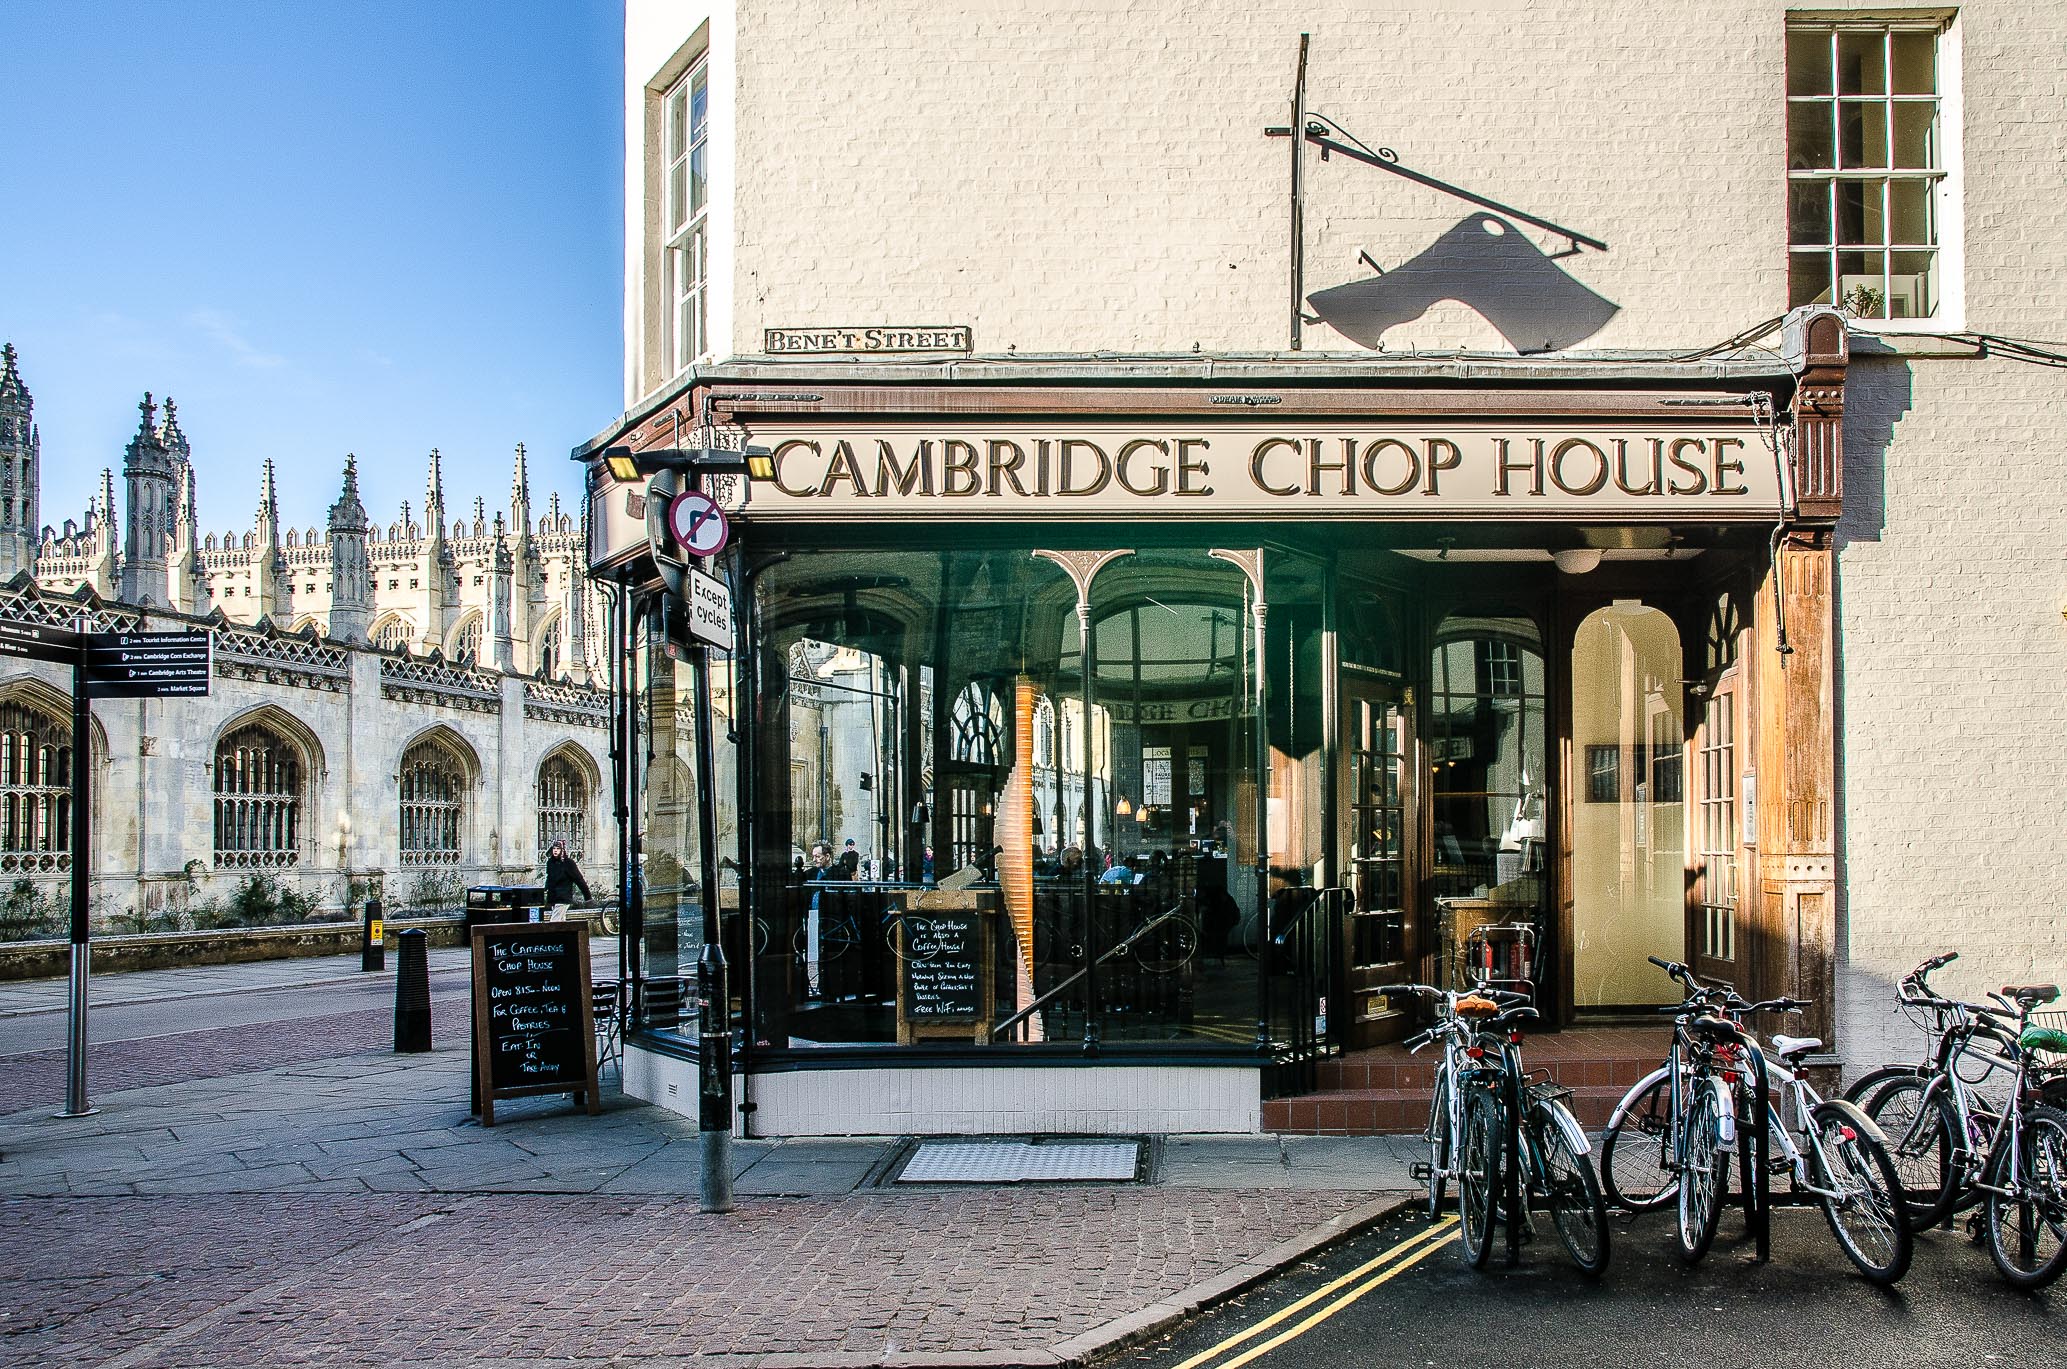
[1313, 470]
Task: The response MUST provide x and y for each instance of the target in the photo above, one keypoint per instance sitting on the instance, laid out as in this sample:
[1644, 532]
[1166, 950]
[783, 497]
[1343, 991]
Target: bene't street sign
[148, 665]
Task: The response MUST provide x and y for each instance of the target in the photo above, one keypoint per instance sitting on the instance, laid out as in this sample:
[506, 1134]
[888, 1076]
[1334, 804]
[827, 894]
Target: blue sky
[376, 227]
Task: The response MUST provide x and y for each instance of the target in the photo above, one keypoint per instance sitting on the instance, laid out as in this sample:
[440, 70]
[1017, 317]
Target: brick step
[1390, 1070]
[1402, 1111]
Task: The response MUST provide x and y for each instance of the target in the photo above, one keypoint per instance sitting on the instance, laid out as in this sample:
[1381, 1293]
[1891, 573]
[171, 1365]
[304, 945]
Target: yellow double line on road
[1379, 1270]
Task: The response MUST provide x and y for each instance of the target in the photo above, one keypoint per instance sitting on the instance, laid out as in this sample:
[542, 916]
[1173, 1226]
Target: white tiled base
[1113, 1100]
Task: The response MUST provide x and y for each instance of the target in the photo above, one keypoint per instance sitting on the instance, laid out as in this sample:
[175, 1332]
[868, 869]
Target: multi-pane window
[685, 120]
[562, 808]
[1865, 167]
[466, 646]
[35, 790]
[432, 787]
[257, 800]
[1715, 825]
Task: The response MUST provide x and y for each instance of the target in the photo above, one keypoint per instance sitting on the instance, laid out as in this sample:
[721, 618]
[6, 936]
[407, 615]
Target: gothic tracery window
[562, 807]
[466, 646]
[549, 650]
[433, 785]
[258, 799]
[35, 790]
[392, 634]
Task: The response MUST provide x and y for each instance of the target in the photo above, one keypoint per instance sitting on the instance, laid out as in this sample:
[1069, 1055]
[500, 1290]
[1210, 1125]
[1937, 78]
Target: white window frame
[1944, 178]
[685, 219]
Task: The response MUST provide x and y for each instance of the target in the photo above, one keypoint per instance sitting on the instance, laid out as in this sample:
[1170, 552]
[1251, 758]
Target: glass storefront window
[664, 774]
[964, 838]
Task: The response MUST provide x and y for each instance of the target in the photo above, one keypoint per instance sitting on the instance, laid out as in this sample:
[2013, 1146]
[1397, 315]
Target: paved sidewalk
[23, 997]
[345, 1211]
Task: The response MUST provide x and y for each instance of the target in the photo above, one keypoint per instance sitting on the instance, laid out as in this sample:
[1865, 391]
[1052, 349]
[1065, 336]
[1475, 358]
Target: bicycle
[1962, 1150]
[1669, 1139]
[1503, 1139]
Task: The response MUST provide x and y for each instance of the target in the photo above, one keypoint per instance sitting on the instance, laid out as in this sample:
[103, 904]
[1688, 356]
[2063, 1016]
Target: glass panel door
[1629, 814]
[1378, 816]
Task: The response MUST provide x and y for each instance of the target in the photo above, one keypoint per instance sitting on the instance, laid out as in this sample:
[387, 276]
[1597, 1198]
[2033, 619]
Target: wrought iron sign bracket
[1330, 137]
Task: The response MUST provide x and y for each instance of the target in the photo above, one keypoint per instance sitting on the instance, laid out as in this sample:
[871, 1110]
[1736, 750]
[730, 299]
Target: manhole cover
[1022, 1162]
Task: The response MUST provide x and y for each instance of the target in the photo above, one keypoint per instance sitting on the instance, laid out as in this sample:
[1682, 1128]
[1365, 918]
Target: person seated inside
[1123, 872]
[824, 865]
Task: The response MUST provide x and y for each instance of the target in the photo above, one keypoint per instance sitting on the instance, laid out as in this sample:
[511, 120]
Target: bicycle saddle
[1719, 1028]
[1791, 1046]
[2031, 995]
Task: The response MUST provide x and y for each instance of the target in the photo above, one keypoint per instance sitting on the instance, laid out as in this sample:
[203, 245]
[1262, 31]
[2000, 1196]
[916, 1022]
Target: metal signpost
[683, 522]
[105, 665]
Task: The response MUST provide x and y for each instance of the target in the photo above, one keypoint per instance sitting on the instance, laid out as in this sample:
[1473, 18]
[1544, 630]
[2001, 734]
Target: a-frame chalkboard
[534, 1029]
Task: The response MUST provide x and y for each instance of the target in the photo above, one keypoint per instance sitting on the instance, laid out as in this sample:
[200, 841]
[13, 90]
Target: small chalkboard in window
[533, 1029]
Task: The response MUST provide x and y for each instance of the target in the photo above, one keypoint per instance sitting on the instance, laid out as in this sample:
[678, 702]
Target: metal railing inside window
[35, 791]
[562, 808]
[258, 783]
[432, 807]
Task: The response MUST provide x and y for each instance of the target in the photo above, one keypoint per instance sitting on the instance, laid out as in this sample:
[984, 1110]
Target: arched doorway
[1628, 806]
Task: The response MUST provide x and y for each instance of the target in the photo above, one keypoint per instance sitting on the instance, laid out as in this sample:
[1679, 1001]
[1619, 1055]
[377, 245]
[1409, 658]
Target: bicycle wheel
[1636, 1155]
[2027, 1228]
[1478, 1178]
[836, 936]
[1704, 1178]
[1169, 947]
[1869, 1219]
[1570, 1189]
[910, 938]
[1437, 1134]
[1921, 1143]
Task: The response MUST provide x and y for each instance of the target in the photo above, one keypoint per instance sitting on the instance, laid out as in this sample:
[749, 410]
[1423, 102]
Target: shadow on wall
[1877, 395]
[1485, 263]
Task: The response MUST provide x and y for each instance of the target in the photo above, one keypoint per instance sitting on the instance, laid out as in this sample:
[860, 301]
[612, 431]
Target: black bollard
[372, 948]
[413, 993]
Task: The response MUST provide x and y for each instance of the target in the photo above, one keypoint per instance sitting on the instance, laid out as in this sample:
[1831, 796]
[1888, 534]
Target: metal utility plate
[1022, 1162]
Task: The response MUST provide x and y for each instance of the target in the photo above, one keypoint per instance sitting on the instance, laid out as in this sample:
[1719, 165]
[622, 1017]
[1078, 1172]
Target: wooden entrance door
[1379, 812]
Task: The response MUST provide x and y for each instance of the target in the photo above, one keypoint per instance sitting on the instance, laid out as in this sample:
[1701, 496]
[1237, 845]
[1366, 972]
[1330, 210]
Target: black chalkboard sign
[943, 966]
[533, 1023]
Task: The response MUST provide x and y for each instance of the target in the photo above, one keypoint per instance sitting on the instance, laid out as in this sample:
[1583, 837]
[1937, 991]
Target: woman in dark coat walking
[562, 877]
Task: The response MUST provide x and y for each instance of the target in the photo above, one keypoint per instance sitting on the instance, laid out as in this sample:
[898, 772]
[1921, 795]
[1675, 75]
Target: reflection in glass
[1488, 772]
[1810, 138]
[1629, 825]
[1808, 62]
[930, 709]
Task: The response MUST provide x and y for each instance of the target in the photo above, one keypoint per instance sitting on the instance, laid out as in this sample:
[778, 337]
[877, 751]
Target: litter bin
[488, 904]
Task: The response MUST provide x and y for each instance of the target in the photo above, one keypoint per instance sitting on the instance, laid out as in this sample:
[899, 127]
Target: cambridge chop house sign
[1017, 470]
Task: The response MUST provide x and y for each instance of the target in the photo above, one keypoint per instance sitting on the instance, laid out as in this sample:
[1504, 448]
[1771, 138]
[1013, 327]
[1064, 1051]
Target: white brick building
[1581, 698]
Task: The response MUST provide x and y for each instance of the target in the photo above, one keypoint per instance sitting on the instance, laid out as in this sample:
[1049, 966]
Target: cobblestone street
[292, 1192]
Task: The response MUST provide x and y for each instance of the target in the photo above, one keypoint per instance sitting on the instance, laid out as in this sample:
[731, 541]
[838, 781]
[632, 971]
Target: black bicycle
[1957, 1148]
[1506, 1140]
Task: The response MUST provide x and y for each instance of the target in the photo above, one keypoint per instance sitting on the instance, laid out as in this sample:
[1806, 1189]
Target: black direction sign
[148, 665]
[36, 642]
